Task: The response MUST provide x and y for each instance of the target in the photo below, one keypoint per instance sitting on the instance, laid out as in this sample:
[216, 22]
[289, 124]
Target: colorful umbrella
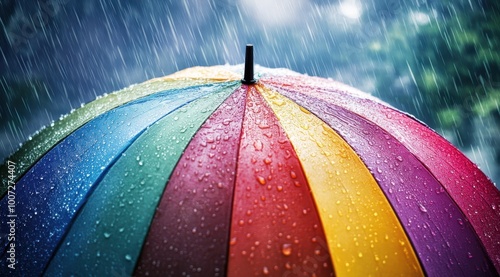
[200, 173]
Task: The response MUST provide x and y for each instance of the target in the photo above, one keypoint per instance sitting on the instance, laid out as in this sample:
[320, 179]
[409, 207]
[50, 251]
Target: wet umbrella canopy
[204, 173]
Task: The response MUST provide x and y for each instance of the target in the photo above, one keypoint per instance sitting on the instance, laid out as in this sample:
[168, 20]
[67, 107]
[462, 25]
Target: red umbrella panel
[200, 173]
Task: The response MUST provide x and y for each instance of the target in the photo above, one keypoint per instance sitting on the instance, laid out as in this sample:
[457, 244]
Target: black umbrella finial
[248, 75]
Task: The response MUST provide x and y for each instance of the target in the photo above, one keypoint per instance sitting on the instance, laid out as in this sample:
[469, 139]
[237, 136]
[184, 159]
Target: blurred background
[436, 59]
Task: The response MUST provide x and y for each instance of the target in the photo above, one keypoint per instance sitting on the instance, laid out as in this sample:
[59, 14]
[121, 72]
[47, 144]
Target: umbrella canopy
[201, 173]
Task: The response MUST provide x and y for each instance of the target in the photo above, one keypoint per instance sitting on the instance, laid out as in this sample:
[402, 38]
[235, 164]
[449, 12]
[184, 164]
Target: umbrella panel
[50, 194]
[363, 233]
[192, 220]
[275, 228]
[109, 232]
[439, 231]
[33, 149]
[470, 188]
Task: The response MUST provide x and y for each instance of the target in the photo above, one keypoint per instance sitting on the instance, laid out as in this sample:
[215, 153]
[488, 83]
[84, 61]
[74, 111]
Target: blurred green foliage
[451, 55]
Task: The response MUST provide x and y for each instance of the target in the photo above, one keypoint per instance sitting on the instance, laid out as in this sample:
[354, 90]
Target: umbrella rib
[232, 84]
[235, 177]
[99, 179]
[46, 135]
[116, 157]
[258, 172]
[88, 195]
[411, 117]
[294, 147]
[426, 168]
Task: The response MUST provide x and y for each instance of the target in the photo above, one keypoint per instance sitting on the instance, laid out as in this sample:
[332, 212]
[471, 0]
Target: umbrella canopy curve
[202, 173]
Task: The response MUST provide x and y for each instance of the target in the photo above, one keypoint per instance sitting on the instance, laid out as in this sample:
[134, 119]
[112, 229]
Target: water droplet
[286, 249]
[267, 160]
[264, 125]
[233, 241]
[261, 180]
[265, 270]
[258, 145]
[399, 158]
[293, 175]
[107, 235]
[279, 102]
[128, 257]
[304, 110]
[422, 208]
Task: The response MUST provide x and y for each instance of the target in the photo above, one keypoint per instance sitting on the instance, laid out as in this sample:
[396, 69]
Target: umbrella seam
[173, 168]
[277, 90]
[247, 88]
[104, 173]
[84, 201]
[311, 195]
[79, 125]
[488, 258]
[364, 163]
[409, 116]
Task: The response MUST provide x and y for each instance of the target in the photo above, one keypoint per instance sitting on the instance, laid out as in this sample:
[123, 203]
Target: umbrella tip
[248, 75]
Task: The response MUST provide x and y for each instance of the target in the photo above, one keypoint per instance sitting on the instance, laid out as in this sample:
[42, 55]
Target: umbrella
[201, 173]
